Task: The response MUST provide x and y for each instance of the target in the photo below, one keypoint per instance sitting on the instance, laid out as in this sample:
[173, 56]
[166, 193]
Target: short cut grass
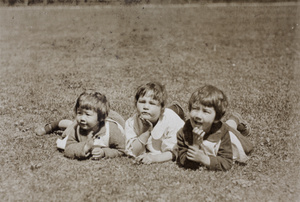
[210, 96]
[92, 100]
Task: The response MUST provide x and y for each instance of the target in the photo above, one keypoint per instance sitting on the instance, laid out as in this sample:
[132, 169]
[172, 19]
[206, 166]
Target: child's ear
[162, 110]
[216, 121]
[101, 120]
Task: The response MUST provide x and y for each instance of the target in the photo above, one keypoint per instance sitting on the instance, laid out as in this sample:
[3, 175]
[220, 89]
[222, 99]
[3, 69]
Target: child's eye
[90, 113]
[153, 103]
[142, 101]
[208, 111]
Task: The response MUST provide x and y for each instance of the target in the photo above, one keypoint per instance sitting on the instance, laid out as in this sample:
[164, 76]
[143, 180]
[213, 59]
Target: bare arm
[138, 145]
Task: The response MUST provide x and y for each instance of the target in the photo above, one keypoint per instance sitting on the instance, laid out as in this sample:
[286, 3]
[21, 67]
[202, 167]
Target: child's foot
[175, 106]
[242, 125]
[43, 130]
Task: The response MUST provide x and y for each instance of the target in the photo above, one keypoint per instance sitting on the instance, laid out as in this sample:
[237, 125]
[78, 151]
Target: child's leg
[237, 122]
[178, 110]
[246, 144]
[63, 124]
[54, 126]
[232, 123]
[241, 129]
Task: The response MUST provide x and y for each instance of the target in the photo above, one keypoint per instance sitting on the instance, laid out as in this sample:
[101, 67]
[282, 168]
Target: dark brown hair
[92, 100]
[210, 96]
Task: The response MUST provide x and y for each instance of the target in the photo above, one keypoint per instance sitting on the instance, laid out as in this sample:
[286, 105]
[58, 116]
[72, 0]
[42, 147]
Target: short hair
[159, 92]
[92, 100]
[210, 96]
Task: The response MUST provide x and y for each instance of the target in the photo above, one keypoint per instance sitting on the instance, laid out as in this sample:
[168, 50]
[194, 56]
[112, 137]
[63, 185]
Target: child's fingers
[202, 134]
[190, 153]
[149, 123]
[192, 148]
[198, 131]
[190, 156]
[146, 123]
[142, 119]
[146, 161]
[140, 157]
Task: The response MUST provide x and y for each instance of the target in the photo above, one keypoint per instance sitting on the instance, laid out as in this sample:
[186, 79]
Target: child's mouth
[198, 123]
[83, 125]
[145, 114]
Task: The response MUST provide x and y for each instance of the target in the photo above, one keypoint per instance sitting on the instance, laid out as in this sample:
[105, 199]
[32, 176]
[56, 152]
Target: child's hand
[147, 125]
[97, 153]
[145, 159]
[198, 135]
[197, 155]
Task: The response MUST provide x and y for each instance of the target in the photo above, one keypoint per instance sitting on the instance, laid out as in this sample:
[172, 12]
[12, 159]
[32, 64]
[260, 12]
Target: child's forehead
[201, 104]
[85, 108]
[149, 94]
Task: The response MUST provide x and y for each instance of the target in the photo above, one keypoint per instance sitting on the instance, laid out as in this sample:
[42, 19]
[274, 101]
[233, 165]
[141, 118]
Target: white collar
[161, 125]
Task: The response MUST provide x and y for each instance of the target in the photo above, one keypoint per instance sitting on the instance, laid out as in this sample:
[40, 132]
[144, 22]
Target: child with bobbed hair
[204, 139]
[97, 131]
[151, 131]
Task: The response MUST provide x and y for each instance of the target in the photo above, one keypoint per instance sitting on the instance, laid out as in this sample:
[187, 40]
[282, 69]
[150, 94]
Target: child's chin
[199, 126]
[84, 128]
[144, 116]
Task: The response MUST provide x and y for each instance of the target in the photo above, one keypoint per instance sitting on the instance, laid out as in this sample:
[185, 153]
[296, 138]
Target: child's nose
[146, 106]
[199, 115]
[82, 118]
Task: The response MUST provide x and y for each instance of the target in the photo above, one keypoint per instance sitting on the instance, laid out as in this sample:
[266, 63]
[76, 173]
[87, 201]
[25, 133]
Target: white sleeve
[130, 135]
[169, 140]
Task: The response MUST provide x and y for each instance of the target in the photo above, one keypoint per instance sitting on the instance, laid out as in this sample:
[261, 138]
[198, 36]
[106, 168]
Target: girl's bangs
[85, 104]
[205, 101]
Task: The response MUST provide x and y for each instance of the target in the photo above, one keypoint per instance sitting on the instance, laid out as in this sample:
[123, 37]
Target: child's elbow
[218, 164]
[226, 166]
[185, 163]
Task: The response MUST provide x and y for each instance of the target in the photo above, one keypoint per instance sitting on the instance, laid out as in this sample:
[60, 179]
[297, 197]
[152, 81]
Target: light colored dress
[162, 137]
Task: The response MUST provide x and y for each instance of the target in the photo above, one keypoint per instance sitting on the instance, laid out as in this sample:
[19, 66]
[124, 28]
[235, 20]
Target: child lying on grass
[205, 140]
[151, 131]
[97, 132]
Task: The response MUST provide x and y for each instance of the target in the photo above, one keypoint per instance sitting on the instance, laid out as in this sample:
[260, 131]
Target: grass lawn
[49, 55]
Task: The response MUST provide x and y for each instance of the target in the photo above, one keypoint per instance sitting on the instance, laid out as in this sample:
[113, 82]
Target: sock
[235, 119]
[51, 127]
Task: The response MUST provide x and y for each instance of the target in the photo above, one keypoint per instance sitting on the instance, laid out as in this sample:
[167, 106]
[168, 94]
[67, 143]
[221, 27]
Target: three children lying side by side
[155, 132]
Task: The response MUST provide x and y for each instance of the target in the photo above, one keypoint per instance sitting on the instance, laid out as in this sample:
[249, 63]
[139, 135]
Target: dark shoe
[242, 126]
[43, 130]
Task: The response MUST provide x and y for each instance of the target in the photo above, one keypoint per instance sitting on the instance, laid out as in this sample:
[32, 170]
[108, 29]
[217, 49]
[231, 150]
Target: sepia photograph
[150, 100]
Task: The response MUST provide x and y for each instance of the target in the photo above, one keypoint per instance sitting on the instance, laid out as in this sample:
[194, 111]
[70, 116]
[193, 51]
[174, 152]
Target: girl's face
[148, 108]
[202, 117]
[87, 119]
